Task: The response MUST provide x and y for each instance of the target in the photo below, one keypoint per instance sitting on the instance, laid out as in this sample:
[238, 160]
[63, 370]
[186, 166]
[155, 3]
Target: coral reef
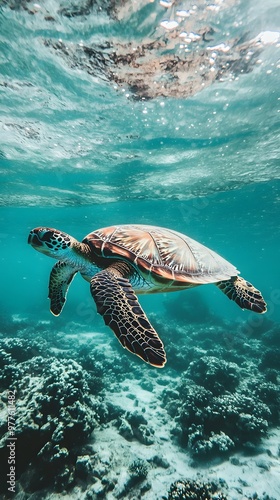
[138, 469]
[269, 394]
[215, 412]
[12, 352]
[54, 413]
[270, 359]
[102, 369]
[211, 398]
[83, 466]
[135, 425]
[214, 374]
[194, 490]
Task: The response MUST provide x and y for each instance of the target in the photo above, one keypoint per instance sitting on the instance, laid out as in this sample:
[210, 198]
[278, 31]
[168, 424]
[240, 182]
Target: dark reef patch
[54, 415]
[219, 407]
[218, 394]
[214, 374]
[195, 490]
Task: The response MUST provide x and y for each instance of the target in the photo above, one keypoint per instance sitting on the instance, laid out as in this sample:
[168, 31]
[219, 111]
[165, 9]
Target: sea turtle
[124, 260]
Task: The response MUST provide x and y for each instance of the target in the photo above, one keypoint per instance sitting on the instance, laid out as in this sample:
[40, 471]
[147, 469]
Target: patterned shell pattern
[163, 253]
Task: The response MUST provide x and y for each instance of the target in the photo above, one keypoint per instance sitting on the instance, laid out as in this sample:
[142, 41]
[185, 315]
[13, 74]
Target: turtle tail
[243, 293]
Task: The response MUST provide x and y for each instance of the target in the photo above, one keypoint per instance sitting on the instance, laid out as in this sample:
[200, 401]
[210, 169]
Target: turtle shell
[164, 254]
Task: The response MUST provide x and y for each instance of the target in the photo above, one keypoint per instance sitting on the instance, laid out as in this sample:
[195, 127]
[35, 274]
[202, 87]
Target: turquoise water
[90, 139]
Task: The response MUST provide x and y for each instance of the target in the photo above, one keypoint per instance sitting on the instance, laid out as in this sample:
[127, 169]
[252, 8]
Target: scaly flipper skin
[60, 279]
[121, 311]
[243, 293]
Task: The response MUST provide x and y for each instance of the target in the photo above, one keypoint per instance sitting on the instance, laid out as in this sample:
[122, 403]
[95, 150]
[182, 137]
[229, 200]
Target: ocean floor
[244, 475]
[94, 422]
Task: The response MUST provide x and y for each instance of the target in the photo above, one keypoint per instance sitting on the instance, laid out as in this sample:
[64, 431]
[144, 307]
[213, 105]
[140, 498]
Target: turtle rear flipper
[60, 279]
[243, 293]
[121, 311]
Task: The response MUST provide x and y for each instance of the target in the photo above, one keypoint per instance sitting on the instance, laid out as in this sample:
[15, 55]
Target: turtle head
[51, 242]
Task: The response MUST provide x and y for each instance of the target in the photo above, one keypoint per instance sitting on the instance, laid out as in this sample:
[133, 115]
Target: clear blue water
[79, 150]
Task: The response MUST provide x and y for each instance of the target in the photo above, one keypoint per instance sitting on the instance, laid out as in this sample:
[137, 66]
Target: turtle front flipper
[243, 293]
[121, 311]
[60, 279]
